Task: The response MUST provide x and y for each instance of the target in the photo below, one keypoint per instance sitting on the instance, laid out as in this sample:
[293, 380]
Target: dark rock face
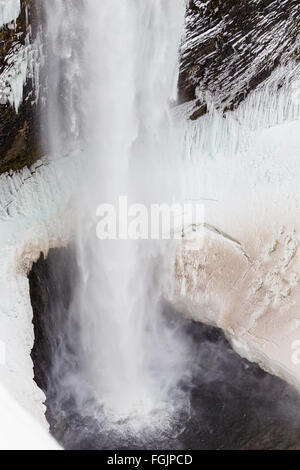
[233, 403]
[51, 289]
[232, 46]
[19, 131]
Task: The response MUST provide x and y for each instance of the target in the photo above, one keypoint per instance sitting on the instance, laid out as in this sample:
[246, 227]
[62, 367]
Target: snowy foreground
[19, 430]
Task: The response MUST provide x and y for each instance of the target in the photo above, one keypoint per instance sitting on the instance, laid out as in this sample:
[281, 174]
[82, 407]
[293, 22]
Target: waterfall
[112, 78]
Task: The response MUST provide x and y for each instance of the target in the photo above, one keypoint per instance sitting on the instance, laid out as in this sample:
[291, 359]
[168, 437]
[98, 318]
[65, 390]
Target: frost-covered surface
[22, 62]
[246, 277]
[34, 216]
[18, 430]
[9, 11]
[232, 47]
[21, 59]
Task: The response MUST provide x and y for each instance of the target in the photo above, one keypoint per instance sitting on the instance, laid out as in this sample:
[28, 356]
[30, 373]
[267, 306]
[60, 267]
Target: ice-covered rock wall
[243, 273]
[21, 58]
[35, 215]
[232, 47]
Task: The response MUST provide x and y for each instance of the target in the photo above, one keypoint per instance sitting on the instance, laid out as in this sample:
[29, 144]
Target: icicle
[9, 11]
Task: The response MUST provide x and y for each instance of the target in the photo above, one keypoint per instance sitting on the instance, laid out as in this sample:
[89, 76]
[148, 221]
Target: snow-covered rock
[35, 215]
[19, 430]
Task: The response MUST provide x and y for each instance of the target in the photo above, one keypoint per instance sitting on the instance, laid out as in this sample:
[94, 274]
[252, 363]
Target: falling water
[112, 78]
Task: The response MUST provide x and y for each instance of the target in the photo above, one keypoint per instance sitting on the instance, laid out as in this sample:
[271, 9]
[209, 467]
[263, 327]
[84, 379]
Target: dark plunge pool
[232, 404]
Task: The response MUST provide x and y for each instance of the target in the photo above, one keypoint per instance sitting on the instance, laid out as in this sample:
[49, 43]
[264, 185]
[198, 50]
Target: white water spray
[121, 80]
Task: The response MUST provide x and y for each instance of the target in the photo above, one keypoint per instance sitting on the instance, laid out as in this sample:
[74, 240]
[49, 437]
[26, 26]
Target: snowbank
[18, 430]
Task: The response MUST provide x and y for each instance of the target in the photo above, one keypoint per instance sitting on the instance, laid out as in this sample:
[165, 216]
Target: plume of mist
[112, 73]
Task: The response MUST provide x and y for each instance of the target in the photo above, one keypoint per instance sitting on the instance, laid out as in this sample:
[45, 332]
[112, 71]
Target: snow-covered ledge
[35, 215]
[254, 300]
[243, 272]
[19, 430]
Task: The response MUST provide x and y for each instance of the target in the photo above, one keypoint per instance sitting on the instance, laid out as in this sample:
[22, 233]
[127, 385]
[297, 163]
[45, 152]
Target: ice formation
[34, 216]
[9, 11]
[19, 430]
[231, 48]
[245, 277]
[22, 62]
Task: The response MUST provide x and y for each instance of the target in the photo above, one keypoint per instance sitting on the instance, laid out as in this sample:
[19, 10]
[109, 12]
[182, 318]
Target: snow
[18, 430]
[35, 215]
[245, 277]
[271, 36]
[22, 62]
[9, 11]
